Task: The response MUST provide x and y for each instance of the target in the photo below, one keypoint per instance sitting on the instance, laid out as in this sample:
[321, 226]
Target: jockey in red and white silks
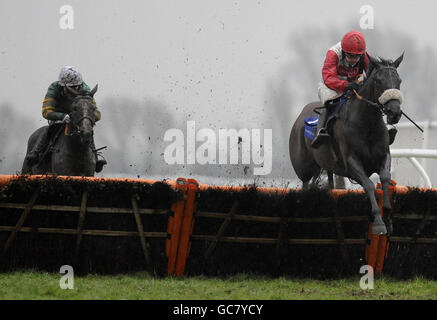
[344, 61]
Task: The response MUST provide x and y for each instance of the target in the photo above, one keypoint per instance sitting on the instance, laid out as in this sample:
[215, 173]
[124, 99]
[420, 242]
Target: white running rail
[412, 154]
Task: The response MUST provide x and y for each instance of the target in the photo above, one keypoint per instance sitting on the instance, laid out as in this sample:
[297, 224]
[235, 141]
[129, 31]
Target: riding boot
[322, 135]
[99, 162]
[391, 135]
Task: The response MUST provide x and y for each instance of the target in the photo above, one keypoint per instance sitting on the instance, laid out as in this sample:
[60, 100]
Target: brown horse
[359, 144]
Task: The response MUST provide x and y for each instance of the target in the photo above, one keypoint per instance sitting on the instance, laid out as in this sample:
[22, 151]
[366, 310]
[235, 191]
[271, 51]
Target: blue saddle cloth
[311, 127]
[312, 122]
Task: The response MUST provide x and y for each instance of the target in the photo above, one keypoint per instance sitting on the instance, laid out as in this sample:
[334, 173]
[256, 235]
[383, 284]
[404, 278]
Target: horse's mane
[85, 93]
[82, 94]
[381, 61]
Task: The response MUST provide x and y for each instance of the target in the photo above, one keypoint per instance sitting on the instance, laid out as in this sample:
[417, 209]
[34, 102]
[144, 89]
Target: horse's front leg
[385, 176]
[356, 171]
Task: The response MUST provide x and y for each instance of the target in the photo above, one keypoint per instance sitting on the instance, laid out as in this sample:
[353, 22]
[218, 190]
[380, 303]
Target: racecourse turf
[33, 285]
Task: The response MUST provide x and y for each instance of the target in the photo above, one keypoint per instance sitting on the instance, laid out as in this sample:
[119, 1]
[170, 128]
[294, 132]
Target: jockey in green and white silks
[57, 101]
[56, 107]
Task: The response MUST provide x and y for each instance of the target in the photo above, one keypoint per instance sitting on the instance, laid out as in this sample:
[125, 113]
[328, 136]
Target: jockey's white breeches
[326, 93]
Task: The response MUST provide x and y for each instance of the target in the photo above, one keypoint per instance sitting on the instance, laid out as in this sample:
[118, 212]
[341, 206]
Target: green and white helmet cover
[70, 76]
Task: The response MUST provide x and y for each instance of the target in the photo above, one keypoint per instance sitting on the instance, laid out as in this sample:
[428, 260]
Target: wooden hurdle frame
[183, 212]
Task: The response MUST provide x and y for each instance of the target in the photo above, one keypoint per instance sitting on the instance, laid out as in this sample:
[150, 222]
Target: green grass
[45, 286]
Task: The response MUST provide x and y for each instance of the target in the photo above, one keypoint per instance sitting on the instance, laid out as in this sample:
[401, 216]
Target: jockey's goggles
[352, 56]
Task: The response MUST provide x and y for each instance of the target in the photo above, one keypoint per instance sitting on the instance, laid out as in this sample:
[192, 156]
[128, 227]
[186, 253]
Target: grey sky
[196, 55]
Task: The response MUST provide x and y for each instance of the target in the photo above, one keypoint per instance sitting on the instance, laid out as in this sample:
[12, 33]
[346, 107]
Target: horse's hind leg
[311, 181]
[26, 169]
[306, 185]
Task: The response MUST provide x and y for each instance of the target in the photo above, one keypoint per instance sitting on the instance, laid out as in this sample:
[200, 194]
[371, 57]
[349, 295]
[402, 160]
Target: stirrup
[321, 138]
[323, 132]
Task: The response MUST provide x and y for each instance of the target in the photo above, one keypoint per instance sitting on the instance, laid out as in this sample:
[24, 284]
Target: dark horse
[359, 143]
[72, 152]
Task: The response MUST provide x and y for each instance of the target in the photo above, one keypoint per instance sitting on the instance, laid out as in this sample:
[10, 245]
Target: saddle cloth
[311, 123]
[310, 129]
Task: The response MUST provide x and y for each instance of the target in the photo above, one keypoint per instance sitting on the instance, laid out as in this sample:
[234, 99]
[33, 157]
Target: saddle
[332, 106]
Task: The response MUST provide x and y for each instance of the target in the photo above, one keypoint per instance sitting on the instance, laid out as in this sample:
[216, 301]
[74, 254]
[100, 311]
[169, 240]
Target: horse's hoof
[99, 165]
[379, 229]
[392, 135]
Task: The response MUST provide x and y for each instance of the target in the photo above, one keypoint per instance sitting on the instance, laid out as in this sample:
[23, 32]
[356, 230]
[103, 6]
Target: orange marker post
[377, 249]
[174, 226]
[187, 227]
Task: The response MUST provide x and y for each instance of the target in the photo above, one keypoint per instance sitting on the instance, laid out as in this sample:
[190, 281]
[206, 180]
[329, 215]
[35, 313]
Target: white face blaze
[391, 94]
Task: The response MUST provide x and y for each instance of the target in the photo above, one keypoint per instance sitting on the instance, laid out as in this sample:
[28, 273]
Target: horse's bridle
[75, 126]
[383, 68]
[378, 104]
[93, 122]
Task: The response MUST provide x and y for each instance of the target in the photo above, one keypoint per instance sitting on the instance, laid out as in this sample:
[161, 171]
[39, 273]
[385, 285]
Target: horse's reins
[381, 106]
[374, 104]
[67, 126]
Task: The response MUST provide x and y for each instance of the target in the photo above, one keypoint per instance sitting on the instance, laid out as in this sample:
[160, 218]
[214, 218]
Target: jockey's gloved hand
[352, 85]
[66, 119]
